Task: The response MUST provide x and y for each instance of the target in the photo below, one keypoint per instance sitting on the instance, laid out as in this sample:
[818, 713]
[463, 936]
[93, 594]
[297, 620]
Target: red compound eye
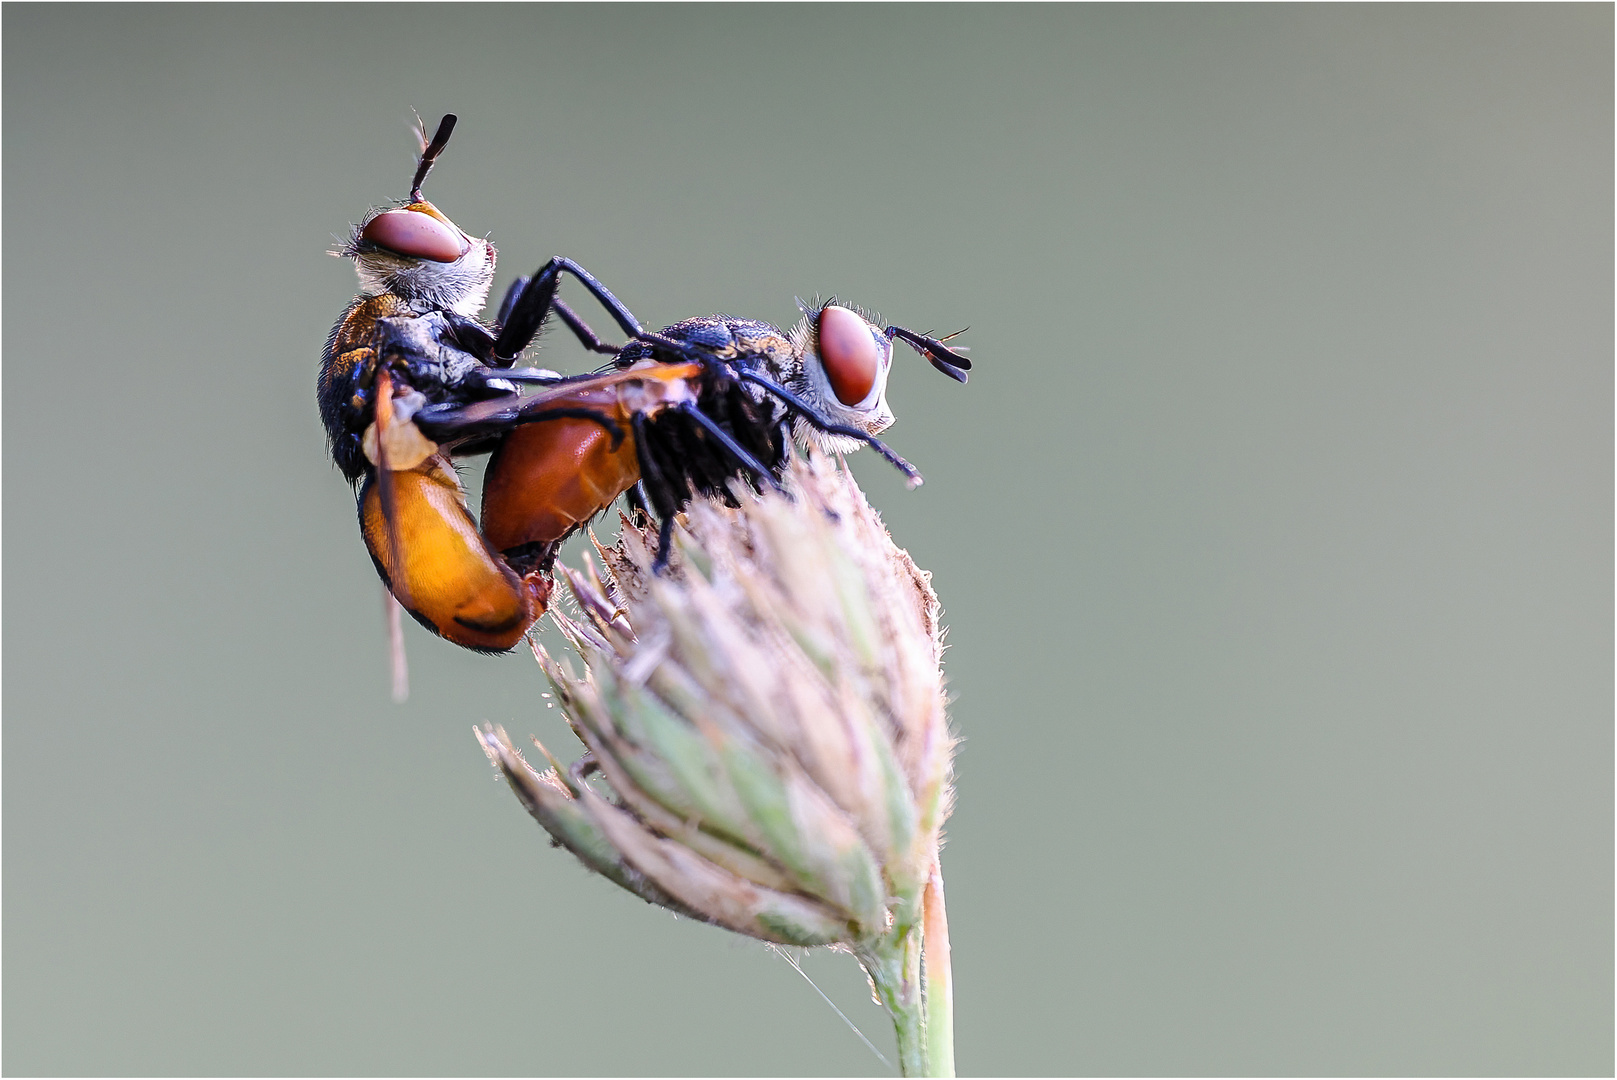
[407, 232]
[848, 351]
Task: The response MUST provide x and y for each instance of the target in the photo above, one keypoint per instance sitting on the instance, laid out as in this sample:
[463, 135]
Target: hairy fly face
[417, 253]
[844, 359]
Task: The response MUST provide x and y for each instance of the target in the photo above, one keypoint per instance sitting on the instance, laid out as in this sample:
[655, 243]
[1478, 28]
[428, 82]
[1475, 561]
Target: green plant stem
[894, 977]
[924, 1024]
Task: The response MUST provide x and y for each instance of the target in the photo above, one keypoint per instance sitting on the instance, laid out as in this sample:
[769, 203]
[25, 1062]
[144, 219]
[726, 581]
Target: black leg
[664, 500]
[736, 449]
[581, 329]
[471, 335]
[638, 501]
[527, 315]
[665, 545]
[528, 311]
[441, 424]
[807, 412]
[542, 376]
[510, 299]
[752, 424]
[491, 382]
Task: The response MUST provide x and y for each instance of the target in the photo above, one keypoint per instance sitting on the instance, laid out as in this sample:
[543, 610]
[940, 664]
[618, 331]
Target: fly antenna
[945, 359]
[429, 154]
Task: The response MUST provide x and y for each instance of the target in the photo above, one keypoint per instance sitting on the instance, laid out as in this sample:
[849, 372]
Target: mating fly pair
[411, 379]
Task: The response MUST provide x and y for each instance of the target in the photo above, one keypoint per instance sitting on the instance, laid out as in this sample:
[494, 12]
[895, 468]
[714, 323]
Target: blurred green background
[1274, 530]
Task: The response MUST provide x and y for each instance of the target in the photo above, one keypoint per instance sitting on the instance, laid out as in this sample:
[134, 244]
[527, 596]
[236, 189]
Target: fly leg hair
[756, 426]
[581, 329]
[526, 304]
[735, 449]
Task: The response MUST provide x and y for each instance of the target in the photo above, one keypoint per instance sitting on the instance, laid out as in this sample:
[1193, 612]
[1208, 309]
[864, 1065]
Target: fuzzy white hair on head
[809, 382]
[461, 286]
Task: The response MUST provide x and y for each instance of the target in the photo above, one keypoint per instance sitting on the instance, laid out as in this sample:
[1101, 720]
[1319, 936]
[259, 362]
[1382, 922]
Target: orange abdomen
[449, 578]
[548, 478]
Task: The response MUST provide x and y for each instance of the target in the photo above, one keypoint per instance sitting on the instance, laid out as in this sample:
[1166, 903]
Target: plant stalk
[923, 1022]
[939, 979]
[894, 976]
